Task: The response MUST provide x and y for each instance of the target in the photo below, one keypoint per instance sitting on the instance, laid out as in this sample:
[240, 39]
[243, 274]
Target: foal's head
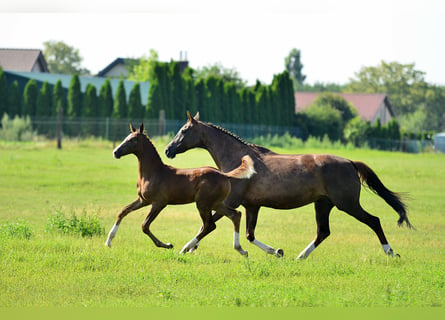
[188, 137]
[131, 143]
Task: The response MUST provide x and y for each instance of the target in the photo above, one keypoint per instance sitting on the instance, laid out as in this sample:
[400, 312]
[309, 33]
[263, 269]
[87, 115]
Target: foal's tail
[373, 182]
[244, 171]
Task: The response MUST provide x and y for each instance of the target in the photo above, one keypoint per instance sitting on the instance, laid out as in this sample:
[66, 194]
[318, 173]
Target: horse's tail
[368, 176]
[244, 171]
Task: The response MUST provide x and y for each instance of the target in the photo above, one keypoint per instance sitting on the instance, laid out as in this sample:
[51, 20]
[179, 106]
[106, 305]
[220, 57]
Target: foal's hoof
[279, 253]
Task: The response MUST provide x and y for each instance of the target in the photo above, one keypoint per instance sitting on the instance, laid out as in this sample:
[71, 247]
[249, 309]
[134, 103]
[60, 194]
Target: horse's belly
[285, 196]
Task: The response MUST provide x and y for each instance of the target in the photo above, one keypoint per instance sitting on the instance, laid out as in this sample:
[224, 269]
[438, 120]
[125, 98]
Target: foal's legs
[235, 216]
[137, 204]
[323, 208]
[251, 220]
[156, 208]
[208, 226]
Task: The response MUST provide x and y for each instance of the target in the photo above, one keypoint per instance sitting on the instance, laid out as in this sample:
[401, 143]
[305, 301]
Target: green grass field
[348, 269]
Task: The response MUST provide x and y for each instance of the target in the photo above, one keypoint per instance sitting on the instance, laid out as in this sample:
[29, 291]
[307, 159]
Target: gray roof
[84, 81]
[22, 60]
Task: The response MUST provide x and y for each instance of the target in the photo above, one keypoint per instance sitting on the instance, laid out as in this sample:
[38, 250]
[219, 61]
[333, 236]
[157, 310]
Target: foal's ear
[141, 128]
[132, 128]
[196, 117]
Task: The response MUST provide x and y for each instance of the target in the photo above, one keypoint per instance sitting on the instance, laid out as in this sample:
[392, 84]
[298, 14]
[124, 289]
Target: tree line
[170, 90]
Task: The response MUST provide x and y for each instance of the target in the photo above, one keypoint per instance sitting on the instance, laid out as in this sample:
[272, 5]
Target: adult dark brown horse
[159, 185]
[289, 181]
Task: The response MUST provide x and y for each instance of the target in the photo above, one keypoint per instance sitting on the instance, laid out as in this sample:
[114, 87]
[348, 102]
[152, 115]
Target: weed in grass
[85, 226]
[16, 230]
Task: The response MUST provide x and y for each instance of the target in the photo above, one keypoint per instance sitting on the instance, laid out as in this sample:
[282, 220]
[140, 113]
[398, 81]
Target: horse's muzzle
[170, 152]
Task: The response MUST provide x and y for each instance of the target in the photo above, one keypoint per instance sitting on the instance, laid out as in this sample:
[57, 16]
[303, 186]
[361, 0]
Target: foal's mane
[255, 147]
[156, 153]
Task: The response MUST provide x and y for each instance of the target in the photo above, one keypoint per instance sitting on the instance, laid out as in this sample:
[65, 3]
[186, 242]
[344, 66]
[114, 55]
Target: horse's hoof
[168, 246]
[279, 253]
[397, 255]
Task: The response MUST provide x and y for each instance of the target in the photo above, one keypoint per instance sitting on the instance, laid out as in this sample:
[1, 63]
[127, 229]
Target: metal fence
[116, 129]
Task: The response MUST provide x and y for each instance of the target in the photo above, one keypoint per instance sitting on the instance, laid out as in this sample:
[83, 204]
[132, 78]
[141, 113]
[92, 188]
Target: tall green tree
[295, 67]
[178, 91]
[74, 98]
[44, 100]
[59, 100]
[120, 102]
[404, 85]
[15, 100]
[219, 71]
[143, 69]
[30, 98]
[135, 107]
[62, 58]
[3, 93]
[106, 99]
[90, 105]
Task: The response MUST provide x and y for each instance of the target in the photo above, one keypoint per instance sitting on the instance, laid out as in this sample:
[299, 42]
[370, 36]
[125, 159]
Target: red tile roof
[367, 105]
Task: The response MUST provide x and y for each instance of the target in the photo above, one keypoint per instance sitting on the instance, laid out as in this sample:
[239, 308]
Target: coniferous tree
[190, 98]
[15, 100]
[106, 99]
[43, 107]
[135, 108]
[178, 91]
[30, 98]
[74, 98]
[120, 102]
[59, 100]
[90, 105]
[3, 93]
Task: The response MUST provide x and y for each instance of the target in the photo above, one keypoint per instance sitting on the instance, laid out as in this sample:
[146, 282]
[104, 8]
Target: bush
[85, 226]
[17, 230]
[17, 129]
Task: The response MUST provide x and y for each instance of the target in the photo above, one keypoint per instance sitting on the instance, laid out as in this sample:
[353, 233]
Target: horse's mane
[255, 147]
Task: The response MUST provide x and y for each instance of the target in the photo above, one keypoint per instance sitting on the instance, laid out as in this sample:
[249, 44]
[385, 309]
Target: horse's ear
[189, 116]
[141, 128]
[196, 117]
[132, 128]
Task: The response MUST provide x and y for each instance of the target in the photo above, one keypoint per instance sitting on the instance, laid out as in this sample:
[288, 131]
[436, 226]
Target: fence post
[161, 130]
[107, 127]
[59, 128]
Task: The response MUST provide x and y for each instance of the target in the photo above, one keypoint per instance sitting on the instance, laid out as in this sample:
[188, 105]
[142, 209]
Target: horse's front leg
[251, 220]
[137, 204]
[155, 210]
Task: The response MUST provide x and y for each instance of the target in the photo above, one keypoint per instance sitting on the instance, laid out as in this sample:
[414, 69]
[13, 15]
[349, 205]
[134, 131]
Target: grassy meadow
[42, 267]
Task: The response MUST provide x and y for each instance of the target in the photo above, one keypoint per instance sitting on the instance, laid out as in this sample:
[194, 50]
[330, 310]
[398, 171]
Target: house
[370, 107]
[119, 68]
[27, 60]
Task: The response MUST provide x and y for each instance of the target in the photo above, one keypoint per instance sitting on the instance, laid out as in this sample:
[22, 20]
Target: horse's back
[289, 181]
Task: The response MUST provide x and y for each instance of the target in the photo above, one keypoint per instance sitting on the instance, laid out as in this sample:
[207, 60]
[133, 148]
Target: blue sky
[336, 37]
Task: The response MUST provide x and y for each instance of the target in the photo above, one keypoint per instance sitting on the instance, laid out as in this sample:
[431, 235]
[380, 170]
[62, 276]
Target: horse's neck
[225, 150]
[150, 162]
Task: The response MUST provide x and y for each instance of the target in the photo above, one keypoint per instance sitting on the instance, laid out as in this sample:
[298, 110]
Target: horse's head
[130, 143]
[188, 137]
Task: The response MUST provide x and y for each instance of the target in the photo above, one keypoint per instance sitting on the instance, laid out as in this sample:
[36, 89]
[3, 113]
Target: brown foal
[160, 185]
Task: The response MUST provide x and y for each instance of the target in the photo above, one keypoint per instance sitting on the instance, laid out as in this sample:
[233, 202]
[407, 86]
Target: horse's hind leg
[323, 208]
[137, 204]
[373, 222]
